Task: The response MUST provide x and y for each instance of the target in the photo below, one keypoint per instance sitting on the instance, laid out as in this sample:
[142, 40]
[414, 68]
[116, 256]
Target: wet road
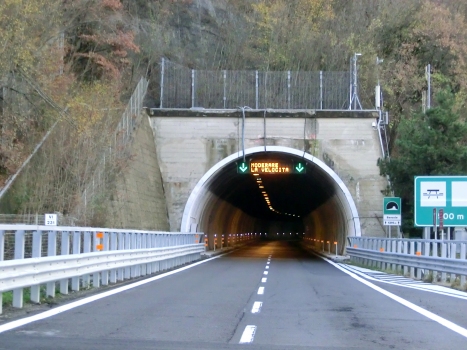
[270, 295]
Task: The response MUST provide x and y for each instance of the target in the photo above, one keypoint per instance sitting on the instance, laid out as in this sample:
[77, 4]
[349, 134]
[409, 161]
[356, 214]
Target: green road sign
[243, 168]
[441, 192]
[299, 168]
[392, 211]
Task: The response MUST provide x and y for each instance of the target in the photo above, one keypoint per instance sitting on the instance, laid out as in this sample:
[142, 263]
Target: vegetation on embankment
[78, 61]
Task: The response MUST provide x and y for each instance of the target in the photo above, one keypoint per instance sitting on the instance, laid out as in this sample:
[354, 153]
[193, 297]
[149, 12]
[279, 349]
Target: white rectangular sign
[51, 219]
[392, 220]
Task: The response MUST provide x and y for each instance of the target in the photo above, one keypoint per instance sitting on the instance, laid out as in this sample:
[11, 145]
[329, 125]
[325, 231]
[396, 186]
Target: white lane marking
[426, 287]
[58, 310]
[248, 334]
[261, 290]
[444, 322]
[263, 280]
[256, 307]
[267, 267]
[265, 273]
[268, 262]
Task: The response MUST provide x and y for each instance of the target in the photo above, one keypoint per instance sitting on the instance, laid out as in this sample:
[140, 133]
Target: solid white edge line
[425, 287]
[21, 322]
[248, 334]
[446, 323]
[256, 307]
[261, 290]
[264, 280]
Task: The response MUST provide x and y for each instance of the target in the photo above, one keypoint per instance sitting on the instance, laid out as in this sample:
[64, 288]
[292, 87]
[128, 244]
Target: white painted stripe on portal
[256, 307]
[264, 280]
[261, 290]
[248, 334]
[58, 310]
[432, 316]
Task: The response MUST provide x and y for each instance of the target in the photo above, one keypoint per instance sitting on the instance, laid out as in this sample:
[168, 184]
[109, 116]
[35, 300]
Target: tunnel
[284, 194]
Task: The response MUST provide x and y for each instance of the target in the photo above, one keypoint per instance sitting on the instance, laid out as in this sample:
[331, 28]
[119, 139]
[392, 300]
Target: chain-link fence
[117, 152]
[182, 87]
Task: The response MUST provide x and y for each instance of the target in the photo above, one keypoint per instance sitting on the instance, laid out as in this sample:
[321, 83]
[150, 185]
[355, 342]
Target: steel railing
[86, 257]
[417, 258]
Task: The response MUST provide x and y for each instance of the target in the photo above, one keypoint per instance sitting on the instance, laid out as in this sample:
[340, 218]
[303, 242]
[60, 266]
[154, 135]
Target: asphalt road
[271, 295]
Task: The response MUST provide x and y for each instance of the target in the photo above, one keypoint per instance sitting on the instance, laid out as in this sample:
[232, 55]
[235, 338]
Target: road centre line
[432, 316]
[267, 267]
[256, 307]
[264, 280]
[265, 273]
[268, 262]
[55, 311]
[261, 290]
[248, 334]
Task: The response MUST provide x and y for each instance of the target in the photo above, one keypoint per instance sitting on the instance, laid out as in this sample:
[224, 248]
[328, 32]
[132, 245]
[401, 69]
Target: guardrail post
[96, 281]
[144, 267]
[36, 253]
[76, 250]
[419, 252]
[399, 250]
[463, 257]
[149, 245]
[443, 255]
[405, 247]
[133, 246]
[427, 253]
[86, 249]
[19, 254]
[65, 250]
[393, 250]
[453, 256]
[106, 247]
[51, 251]
[2, 256]
[412, 252]
[113, 246]
[435, 254]
[154, 245]
[121, 246]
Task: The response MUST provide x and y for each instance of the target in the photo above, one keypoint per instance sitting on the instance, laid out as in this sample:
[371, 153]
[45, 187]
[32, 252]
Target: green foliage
[434, 143]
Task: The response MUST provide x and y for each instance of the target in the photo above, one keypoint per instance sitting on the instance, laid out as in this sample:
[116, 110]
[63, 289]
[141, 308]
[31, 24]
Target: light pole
[354, 100]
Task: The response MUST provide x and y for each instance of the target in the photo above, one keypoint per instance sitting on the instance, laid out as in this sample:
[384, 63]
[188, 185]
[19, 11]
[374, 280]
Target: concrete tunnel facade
[316, 204]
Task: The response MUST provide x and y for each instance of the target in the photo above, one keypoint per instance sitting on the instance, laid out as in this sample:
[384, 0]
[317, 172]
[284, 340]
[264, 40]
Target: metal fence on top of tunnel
[182, 87]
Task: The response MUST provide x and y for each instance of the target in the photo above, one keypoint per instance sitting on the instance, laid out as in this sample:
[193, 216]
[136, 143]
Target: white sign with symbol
[51, 219]
[433, 194]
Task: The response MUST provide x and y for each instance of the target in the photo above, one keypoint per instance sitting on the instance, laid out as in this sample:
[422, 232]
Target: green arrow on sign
[299, 167]
[243, 168]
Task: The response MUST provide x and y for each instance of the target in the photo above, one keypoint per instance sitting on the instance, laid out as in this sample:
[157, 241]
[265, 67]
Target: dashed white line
[256, 307]
[248, 334]
[265, 273]
[268, 262]
[267, 267]
[264, 279]
[261, 290]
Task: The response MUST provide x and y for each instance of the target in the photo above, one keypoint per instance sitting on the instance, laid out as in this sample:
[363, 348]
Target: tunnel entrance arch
[318, 204]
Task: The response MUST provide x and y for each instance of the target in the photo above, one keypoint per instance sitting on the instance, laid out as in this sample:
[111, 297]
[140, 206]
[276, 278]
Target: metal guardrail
[86, 256]
[420, 258]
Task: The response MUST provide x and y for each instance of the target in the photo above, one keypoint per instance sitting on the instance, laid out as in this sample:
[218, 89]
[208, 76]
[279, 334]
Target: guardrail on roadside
[417, 258]
[88, 256]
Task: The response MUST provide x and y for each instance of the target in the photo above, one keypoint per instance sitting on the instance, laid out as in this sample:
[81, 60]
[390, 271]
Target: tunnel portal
[311, 203]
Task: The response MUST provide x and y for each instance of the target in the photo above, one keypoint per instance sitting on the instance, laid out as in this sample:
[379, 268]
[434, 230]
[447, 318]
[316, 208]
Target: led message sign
[270, 167]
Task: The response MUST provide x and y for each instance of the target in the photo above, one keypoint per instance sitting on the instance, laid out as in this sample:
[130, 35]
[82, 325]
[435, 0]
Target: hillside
[77, 62]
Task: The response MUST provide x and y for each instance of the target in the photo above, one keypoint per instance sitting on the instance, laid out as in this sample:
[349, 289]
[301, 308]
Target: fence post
[257, 89]
[320, 89]
[225, 88]
[161, 105]
[192, 88]
[65, 250]
[463, 257]
[19, 254]
[76, 250]
[51, 251]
